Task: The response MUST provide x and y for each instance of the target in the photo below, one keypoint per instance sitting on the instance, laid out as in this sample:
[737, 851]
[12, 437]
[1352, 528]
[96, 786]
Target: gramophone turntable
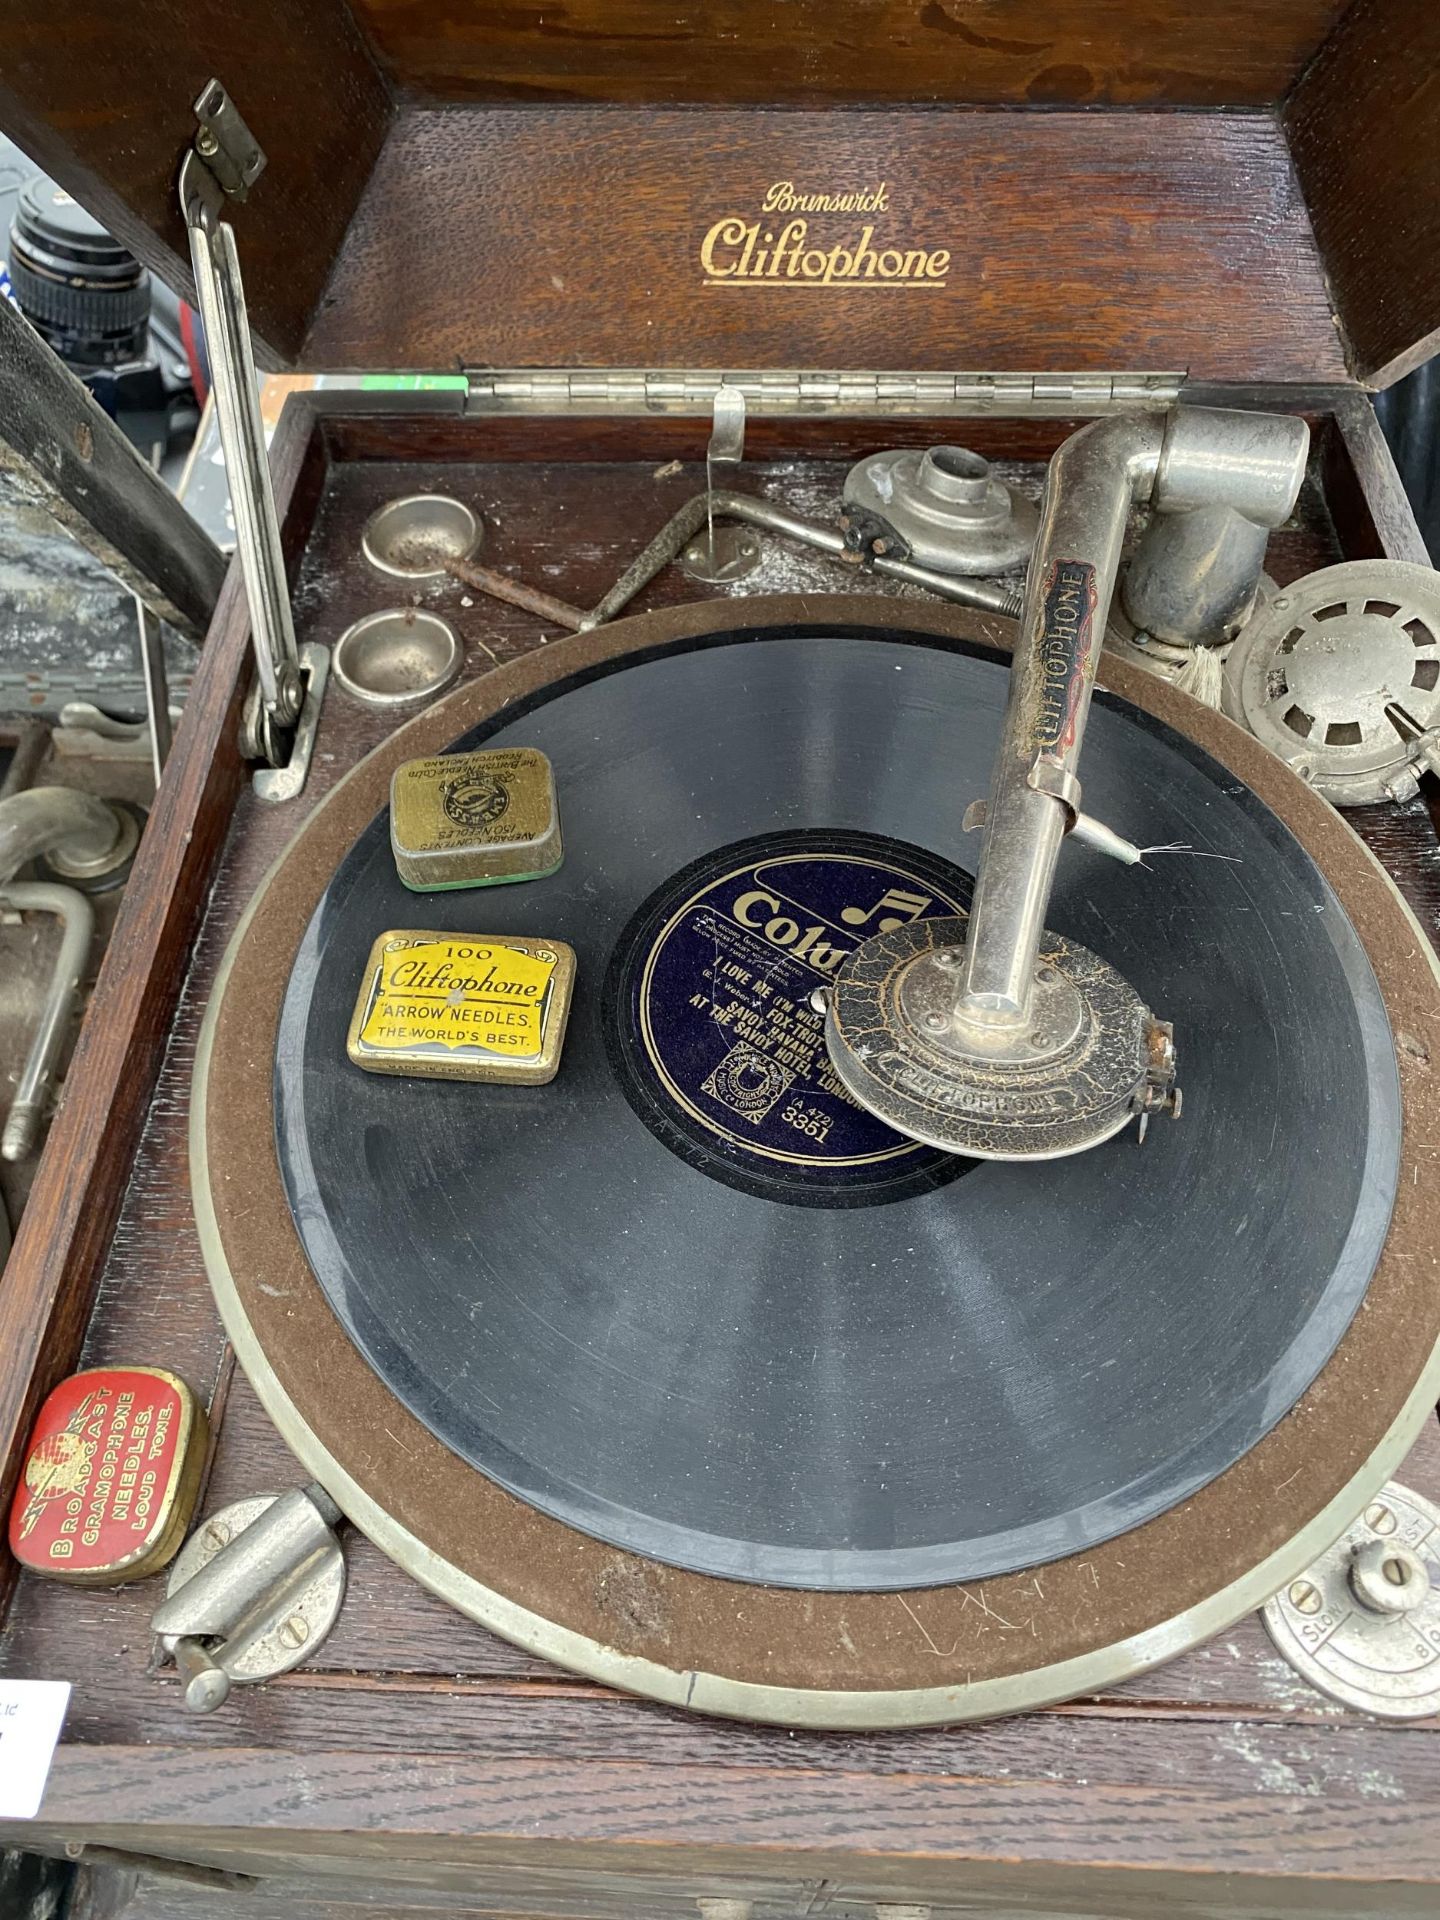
[786, 1301]
[854, 1336]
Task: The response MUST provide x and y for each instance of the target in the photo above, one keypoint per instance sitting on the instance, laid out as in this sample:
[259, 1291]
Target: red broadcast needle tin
[111, 1476]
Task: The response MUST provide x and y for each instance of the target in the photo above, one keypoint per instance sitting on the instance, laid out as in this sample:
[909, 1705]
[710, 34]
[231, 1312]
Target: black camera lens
[78, 287]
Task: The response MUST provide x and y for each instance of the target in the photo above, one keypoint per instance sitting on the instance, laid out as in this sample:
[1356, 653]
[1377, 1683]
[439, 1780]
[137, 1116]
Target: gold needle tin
[474, 819]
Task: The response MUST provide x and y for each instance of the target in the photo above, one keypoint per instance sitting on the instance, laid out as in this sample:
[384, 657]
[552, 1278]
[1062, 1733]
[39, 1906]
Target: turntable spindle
[993, 1037]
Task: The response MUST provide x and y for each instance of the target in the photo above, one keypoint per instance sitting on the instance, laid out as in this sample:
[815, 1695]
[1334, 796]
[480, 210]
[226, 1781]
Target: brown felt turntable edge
[1371, 1415]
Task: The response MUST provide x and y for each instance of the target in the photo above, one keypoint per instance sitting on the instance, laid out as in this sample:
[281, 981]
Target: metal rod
[25, 757]
[157, 688]
[726, 448]
[1093, 480]
[77, 928]
[500, 586]
[667, 545]
[681, 528]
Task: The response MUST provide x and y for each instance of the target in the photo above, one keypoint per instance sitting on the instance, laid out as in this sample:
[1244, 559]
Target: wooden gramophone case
[991, 220]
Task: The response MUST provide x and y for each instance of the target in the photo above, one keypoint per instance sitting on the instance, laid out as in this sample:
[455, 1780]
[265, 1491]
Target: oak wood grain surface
[1004, 52]
[418, 1749]
[53, 1269]
[524, 237]
[1364, 125]
[100, 96]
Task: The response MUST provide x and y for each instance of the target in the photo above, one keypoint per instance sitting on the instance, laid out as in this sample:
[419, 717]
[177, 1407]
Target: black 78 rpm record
[688, 1299]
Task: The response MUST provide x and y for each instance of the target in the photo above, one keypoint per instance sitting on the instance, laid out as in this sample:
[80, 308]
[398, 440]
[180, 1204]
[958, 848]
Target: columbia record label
[714, 1036]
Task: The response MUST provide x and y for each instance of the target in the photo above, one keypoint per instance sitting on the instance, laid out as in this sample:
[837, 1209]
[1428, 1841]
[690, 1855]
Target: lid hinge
[776, 391]
[223, 164]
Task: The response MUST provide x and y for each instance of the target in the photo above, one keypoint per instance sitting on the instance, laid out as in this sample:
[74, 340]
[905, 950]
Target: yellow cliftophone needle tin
[448, 1006]
[474, 819]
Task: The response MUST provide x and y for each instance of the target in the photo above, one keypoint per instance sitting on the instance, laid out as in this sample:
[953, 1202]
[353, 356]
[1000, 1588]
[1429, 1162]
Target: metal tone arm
[992, 1037]
[1177, 461]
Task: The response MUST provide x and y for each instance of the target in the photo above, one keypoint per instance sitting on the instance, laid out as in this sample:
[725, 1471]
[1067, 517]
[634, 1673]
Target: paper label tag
[31, 1715]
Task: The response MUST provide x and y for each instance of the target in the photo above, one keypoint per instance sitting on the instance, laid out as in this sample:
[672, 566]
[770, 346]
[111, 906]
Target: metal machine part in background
[77, 924]
[1363, 1623]
[1340, 676]
[86, 841]
[994, 1038]
[943, 508]
[252, 1593]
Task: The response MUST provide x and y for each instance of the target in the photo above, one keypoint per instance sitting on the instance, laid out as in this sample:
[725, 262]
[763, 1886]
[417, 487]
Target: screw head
[1387, 1577]
[1304, 1596]
[206, 143]
[1379, 1518]
[935, 1022]
[216, 1535]
[294, 1632]
[949, 958]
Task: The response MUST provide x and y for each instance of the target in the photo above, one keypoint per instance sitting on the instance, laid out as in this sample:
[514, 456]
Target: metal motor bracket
[223, 164]
[944, 508]
[252, 1593]
[1363, 1622]
[725, 554]
[287, 755]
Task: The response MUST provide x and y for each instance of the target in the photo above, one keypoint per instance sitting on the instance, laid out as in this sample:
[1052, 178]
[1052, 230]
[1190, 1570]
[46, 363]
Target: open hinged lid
[1237, 192]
